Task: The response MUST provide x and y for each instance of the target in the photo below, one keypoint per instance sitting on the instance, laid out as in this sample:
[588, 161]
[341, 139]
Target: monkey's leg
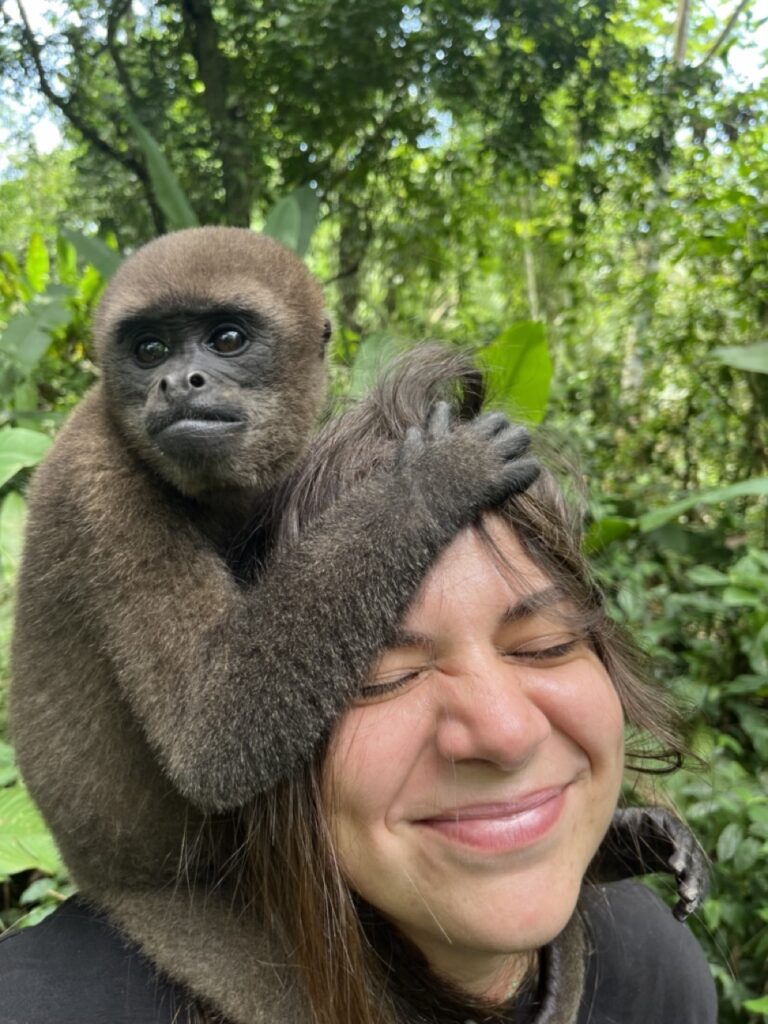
[199, 940]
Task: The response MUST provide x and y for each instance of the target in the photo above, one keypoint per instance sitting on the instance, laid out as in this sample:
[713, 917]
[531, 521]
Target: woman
[429, 864]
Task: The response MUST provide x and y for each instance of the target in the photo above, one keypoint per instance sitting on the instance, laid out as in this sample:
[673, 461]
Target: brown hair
[353, 969]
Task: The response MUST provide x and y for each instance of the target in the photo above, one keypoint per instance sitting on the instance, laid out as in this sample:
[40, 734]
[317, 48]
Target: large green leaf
[754, 487]
[744, 357]
[293, 219]
[37, 266]
[170, 196]
[20, 448]
[25, 842]
[603, 532]
[519, 370]
[12, 515]
[66, 260]
[94, 252]
[28, 335]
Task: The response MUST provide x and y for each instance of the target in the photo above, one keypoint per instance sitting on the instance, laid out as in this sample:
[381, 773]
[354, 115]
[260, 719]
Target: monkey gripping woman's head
[463, 795]
[211, 344]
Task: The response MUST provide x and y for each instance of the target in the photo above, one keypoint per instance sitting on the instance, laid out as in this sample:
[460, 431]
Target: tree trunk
[230, 137]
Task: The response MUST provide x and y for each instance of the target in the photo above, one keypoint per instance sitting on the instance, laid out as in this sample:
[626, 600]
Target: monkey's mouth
[192, 432]
[198, 418]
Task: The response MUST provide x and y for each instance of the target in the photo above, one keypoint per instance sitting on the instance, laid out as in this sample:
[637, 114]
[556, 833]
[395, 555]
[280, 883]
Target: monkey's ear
[326, 336]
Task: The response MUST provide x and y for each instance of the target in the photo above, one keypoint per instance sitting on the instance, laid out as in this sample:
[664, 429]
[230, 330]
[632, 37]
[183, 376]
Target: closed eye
[384, 687]
[545, 652]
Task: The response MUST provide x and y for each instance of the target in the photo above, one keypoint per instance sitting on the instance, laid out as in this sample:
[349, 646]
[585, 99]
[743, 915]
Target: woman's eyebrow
[407, 639]
[530, 604]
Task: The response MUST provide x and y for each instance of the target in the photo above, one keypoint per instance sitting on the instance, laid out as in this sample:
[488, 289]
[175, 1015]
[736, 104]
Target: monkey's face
[216, 383]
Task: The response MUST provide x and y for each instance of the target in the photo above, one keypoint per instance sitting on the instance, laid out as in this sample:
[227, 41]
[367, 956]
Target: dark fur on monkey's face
[211, 342]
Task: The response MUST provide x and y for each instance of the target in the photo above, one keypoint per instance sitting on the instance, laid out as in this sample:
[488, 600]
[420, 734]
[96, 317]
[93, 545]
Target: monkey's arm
[234, 689]
[651, 840]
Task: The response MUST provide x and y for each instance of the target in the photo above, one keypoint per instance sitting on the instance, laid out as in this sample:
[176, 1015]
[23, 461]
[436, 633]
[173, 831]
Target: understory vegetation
[577, 192]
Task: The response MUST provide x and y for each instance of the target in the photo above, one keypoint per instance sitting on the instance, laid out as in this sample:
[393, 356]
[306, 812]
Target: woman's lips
[501, 827]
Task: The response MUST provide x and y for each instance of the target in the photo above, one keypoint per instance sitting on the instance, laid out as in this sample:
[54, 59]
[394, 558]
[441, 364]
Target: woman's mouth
[501, 827]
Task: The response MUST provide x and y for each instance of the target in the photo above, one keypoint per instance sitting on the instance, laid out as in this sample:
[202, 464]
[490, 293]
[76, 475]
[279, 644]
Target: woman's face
[472, 783]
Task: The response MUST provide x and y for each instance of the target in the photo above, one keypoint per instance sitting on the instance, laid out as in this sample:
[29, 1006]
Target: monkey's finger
[684, 908]
[490, 424]
[679, 862]
[693, 877]
[512, 441]
[439, 420]
[413, 443]
[516, 477]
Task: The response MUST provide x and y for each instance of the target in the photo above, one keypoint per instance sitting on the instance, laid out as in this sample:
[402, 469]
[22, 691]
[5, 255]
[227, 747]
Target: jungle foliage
[576, 191]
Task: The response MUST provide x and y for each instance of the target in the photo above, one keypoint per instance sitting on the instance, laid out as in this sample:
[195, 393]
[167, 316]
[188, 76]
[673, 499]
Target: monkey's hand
[461, 468]
[650, 840]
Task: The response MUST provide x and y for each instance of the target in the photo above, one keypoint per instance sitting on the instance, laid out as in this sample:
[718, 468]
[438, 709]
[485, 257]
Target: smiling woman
[471, 787]
[434, 863]
[442, 855]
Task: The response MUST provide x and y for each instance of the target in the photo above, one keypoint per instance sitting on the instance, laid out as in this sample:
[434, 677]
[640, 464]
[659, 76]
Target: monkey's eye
[151, 352]
[227, 341]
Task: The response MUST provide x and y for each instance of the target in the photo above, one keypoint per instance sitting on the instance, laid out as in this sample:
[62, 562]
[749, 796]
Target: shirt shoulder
[644, 966]
[75, 968]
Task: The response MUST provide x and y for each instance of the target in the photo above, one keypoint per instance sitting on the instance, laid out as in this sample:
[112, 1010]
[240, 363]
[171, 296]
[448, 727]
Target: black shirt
[644, 967]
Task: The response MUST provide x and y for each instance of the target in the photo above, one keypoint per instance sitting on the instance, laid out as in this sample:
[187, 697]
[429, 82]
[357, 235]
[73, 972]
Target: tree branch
[227, 134]
[681, 31]
[66, 107]
[116, 13]
[348, 271]
[712, 51]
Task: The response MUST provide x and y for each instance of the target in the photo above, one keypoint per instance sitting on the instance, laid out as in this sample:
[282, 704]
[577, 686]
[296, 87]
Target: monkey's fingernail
[678, 865]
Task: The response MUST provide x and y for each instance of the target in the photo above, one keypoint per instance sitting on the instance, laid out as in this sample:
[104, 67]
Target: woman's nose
[489, 713]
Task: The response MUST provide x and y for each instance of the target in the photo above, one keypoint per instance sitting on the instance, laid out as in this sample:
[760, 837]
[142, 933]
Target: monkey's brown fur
[150, 689]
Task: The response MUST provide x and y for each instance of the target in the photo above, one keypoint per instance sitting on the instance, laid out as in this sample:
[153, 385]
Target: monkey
[154, 689]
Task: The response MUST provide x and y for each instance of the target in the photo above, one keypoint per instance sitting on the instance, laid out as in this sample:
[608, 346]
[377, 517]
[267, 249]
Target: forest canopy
[576, 191]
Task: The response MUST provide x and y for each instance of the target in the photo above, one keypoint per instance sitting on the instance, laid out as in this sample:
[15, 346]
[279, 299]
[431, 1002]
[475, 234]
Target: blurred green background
[575, 190]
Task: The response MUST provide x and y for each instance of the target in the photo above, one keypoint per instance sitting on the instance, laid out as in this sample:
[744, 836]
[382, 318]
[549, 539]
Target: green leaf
[36, 891]
[66, 260]
[519, 370]
[603, 532]
[752, 722]
[735, 597]
[753, 358]
[37, 266]
[94, 252]
[8, 770]
[28, 335]
[292, 220]
[170, 196]
[756, 1005]
[20, 448]
[729, 841]
[706, 576]
[25, 842]
[12, 515]
[747, 854]
[754, 487]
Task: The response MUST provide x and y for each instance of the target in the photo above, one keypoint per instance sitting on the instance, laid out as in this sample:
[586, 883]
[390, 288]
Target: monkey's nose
[172, 382]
